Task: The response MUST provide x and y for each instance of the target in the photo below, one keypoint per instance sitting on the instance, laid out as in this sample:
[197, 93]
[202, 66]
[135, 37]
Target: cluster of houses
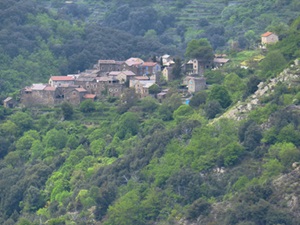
[107, 78]
[111, 78]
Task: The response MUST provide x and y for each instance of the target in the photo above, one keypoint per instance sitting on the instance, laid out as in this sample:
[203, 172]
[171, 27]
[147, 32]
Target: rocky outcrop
[290, 76]
[287, 190]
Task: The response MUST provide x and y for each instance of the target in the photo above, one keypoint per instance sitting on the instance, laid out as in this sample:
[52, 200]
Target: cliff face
[290, 76]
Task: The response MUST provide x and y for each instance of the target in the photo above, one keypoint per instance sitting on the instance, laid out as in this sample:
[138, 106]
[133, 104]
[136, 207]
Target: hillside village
[112, 78]
[145, 117]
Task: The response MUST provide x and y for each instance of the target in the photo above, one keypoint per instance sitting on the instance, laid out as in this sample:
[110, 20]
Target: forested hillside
[141, 161]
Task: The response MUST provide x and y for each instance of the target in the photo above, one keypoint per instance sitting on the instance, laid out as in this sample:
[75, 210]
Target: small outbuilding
[9, 102]
[269, 38]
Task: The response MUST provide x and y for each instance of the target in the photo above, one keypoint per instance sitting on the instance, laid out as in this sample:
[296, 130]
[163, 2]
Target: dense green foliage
[140, 161]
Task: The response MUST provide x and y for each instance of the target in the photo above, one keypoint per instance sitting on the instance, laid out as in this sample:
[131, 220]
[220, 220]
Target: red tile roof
[62, 78]
[266, 34]
[89, 96]
[50, 88]
[149, 64]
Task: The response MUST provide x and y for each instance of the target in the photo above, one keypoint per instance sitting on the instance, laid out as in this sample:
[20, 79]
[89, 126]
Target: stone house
[142, 87]
[44, 94]
[132, 64]
[167, 60]
[108, 65]
[136, 79]
[56, 81]
[88, 83]
[38, 94]
[269, 38]
[162, 95]
[125, 76]
[220, 61]
[194, 84]
[149, 68]
[109, 86]
[197, 67]
[74, 95]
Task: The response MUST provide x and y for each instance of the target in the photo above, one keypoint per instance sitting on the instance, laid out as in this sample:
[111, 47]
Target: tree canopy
[199, 49]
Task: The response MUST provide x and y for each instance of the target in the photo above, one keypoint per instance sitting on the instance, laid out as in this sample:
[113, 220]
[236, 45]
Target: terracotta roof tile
[50, 88]
[266, 34]
[89, 96]
[62, 78]
[149, 64]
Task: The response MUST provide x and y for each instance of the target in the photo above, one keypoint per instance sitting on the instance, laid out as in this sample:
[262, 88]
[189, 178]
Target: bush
[198, 207]
[198, 99]
[87, 106]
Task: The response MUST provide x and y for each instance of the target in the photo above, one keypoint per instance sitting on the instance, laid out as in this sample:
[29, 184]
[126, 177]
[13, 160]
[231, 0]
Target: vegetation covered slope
[144, 162]
[141, 161]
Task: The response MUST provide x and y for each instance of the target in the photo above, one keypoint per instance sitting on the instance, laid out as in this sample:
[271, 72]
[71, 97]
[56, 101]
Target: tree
[197, 208]
[128, 125]
[67, 110]
[251, 85]
[128, 99]
[87, 106]
[219, 93]
[199, 49]
[272, 64]
[154, 89]
[289, 134]
[126, 210]
[235, 85]
[176, 71]
[198, 99]
[22, 120]
[253, 135]
[251, 38]
[212, 108]
[231, 153]
[214, 77]
[55, 138]
[182, 113]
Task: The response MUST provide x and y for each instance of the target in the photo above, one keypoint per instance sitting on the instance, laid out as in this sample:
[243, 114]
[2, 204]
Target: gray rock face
[287, 189]
[289, 76]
